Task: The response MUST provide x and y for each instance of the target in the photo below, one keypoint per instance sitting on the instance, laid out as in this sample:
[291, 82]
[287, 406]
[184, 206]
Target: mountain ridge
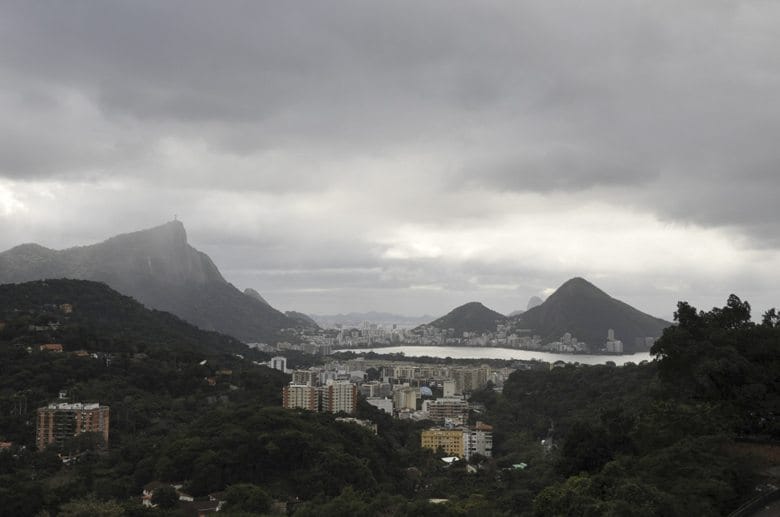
[158, 267]
[254, 294]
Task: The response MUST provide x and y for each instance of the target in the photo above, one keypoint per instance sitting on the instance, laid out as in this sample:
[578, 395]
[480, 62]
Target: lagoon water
[479, 352]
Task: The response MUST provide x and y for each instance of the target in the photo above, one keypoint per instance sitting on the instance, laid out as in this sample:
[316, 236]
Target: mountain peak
[578, 286]
[160, 269]
[471, 305]
[577, 282]
[170, 234]
[470, 317]
[534, 301]
[581, 308]
[173, 228]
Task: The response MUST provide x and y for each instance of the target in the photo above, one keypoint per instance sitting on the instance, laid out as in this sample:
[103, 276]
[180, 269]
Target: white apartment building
[339, 396]
[406, 397]
[478, 441]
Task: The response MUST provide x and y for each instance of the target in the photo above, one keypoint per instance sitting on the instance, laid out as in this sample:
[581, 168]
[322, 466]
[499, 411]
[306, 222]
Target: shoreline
[491, 353]
[380, 347]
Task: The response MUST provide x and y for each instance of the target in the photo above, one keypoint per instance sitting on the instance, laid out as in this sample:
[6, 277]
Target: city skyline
[407, 157]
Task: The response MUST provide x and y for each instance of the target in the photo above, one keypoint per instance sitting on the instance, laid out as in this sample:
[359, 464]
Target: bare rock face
[160, 269]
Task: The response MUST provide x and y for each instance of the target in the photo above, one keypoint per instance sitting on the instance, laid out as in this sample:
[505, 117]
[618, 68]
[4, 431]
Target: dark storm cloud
[295, 136]
[529, 97]
[561, 169]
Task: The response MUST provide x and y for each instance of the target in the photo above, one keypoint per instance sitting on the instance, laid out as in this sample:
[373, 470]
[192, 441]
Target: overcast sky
[407, 156]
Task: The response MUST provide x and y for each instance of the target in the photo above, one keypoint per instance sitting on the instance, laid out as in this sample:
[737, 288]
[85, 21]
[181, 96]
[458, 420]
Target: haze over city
[407, 157]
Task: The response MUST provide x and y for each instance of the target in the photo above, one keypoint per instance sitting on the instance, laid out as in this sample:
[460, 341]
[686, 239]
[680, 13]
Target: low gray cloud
[305, 137]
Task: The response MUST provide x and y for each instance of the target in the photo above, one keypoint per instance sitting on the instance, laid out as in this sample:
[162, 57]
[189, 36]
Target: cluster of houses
[186, 502]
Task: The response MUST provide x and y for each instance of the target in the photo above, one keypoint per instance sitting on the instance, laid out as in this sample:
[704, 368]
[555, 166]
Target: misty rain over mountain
[464, 258]
[159, 268]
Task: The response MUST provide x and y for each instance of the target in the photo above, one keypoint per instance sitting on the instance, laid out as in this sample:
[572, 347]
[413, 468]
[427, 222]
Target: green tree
[165, 497]
[771, 318]
[585, 449]
[245, 497]
[91, 507]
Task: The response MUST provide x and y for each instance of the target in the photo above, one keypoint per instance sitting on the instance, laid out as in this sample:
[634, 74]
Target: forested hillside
[653, 439]
[660, 438]
[82, 314]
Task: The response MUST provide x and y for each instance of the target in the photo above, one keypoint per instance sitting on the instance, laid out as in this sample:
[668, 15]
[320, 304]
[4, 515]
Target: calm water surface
[478, 352]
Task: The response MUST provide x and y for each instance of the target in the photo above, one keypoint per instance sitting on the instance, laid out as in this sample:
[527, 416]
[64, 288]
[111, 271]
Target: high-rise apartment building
[405, 397]
[278, 363]
[448, 387]
[376, 389]
[335, 397]
[470, 379]
[310, 377]
[478, 440]
[339, 396]
[301, 396]
[59, 422]
[451, 409]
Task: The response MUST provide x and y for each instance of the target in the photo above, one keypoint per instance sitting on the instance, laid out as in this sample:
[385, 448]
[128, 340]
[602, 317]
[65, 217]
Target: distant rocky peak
[534, 301]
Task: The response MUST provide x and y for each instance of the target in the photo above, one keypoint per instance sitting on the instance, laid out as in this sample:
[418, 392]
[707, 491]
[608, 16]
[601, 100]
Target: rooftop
[74, 405]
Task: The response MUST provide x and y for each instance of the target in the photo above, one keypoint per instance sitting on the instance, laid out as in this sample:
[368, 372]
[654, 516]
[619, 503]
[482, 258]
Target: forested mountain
[182, 410]
[82, 314]
[160, 269]
[471, 317]
[587, 312]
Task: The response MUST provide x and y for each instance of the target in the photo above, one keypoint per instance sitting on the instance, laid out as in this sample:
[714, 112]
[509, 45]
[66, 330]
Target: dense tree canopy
[656, 438]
